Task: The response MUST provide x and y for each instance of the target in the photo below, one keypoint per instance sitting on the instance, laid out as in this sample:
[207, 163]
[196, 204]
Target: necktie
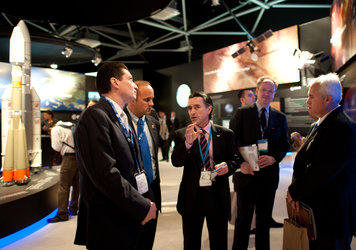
[263, 120]
[145, 150]
[204, 150]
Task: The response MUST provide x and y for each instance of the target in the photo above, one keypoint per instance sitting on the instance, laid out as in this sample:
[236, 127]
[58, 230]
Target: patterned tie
[145, 150]
[203, 145]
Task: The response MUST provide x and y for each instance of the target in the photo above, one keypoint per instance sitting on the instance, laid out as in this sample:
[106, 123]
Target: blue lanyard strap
[128, 134]
[206, 150]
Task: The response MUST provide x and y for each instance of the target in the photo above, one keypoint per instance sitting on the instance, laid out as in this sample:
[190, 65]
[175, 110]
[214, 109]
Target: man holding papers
[266, 127]
[324, 175]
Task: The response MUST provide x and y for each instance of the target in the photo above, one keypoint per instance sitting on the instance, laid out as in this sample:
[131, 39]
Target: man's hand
[265, 161]
[246, 168]
[223, 168]
[151, 214]
[190, 134]
[294, 204]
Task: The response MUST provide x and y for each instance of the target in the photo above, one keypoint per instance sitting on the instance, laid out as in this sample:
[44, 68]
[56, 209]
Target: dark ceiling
[125, 30]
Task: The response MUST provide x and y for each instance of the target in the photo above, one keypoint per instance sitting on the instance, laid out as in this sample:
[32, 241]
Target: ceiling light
[89, 39]
[166, 13]
[67, 52]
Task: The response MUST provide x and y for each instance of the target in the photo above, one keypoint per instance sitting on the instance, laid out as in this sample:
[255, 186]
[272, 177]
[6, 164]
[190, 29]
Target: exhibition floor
[169, 232]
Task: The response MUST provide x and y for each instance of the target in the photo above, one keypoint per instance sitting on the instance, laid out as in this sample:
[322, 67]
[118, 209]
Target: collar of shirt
[135, 118]
[120, 112]
[324, 117]
[206, 129]
[259, 107]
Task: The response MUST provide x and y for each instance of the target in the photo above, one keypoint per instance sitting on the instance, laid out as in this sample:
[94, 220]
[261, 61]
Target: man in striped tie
[207, 153]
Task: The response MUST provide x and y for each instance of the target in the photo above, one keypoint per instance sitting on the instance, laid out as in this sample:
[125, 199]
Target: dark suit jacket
[223, 151]
[247, 131]
[111, 209]
[153, 126]
[325, 176]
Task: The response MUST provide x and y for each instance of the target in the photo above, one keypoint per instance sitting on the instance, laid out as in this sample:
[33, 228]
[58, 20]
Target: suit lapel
[216, 138]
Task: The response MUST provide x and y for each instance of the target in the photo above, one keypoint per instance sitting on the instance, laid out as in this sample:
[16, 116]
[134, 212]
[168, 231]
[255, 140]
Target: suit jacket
[223, 151]
[245, 124]
[111, 209]
[153, 127]
[325, 175]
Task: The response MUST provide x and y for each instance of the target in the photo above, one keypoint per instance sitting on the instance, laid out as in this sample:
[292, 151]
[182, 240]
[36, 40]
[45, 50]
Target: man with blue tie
[146, 129]
[208, 155]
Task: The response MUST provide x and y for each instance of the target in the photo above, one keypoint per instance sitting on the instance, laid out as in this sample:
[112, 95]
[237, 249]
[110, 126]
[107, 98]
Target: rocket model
[20, 113]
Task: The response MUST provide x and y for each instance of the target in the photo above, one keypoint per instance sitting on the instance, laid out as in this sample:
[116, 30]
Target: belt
[67, 154]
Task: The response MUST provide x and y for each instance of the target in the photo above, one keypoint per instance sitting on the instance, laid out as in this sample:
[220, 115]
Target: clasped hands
[263, 161]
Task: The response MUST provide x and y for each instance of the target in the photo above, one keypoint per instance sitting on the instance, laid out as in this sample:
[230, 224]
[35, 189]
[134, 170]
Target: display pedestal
[21, 206]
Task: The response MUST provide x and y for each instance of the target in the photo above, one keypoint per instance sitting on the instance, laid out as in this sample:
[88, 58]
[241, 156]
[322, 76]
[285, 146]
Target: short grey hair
[329, 85]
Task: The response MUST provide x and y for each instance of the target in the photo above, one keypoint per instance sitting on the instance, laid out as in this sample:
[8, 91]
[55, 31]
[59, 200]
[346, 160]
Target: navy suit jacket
[223, 151]
[245, 124]
[325, 175]
[153, 127]
[111, 209]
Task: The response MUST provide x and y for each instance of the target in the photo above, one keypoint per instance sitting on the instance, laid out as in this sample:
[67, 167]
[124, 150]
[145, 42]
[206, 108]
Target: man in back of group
[146, 129]
[112, 206]
[246, 97]
[62, 141]
[266, 127]
[324, 176]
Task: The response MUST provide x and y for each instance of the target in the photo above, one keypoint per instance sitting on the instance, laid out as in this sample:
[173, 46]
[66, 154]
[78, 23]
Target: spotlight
[67, 52]
[54, 66]
[97, 59]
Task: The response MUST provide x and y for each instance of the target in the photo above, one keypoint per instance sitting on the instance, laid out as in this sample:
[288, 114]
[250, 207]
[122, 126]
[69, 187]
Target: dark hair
[105, 72]
[50, 112]
[207, 100]
[241, 93]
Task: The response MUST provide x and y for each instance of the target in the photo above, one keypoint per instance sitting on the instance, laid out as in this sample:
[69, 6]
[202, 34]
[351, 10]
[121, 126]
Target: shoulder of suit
[277, 111]
[220, 128]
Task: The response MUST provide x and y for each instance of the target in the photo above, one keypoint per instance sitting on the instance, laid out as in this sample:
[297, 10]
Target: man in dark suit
[267, 127]
[173, 125]
[112, 206]
[204, 193]
[324, 174]
[140, 109]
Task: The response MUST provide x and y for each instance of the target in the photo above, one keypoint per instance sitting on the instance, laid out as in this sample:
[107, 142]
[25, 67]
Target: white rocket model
[21, 119]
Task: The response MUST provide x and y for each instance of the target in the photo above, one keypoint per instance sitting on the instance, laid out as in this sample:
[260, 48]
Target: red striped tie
[203, 145]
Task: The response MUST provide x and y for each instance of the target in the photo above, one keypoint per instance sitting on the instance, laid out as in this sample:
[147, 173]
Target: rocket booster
[16, 162]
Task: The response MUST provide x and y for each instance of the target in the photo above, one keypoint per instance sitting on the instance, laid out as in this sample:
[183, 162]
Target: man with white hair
[324, 175]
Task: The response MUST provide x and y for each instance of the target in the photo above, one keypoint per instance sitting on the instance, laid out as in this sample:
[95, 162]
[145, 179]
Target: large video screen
[58, 90]
[273, 56]
[343, 32]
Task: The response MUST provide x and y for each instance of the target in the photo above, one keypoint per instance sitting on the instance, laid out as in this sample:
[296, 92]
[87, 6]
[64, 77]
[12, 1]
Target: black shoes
[56, 219]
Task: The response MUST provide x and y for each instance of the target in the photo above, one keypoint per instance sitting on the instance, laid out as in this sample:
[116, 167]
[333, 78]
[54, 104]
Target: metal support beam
[156, 25]
[263, 5]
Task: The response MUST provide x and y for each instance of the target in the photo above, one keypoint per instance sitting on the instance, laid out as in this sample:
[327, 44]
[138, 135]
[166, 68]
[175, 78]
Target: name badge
[262, 145]
[141, 181]
[205, 179]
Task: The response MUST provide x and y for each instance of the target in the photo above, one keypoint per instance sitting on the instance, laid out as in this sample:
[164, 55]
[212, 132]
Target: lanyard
[207, 149]
[128, 134]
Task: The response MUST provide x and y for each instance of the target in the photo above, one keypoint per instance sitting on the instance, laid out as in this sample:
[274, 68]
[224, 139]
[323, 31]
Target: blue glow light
[7, 240]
